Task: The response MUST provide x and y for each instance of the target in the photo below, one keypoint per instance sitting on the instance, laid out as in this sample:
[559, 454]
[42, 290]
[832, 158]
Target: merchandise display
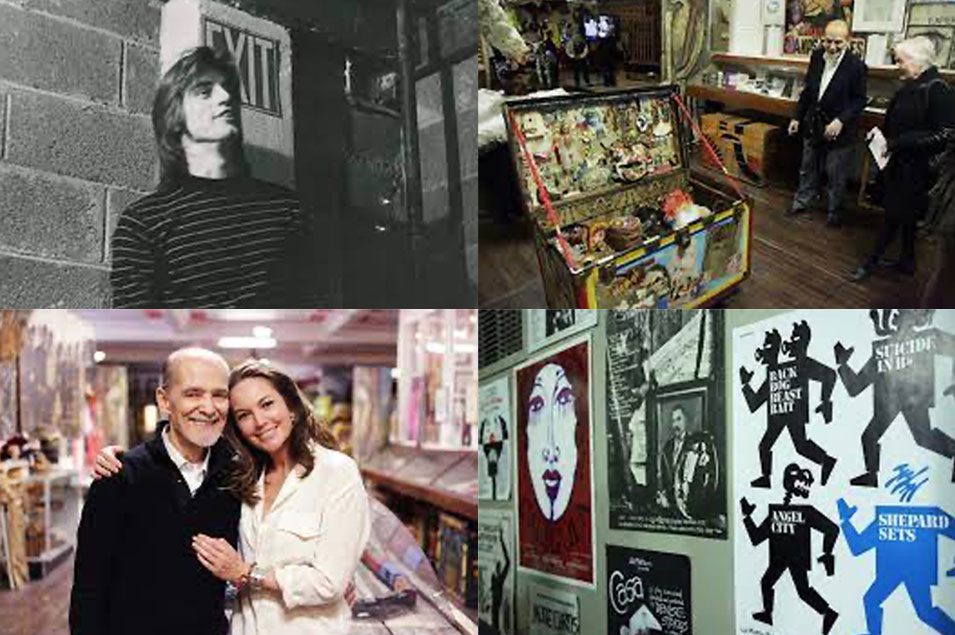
[619, 219]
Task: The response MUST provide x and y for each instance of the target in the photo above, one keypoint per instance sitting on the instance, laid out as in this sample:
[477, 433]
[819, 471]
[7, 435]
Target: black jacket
[914, 127]
[844, 99]
[135, 569]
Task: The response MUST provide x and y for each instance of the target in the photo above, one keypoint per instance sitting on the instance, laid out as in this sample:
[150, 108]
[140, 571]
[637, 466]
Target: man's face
[835, 40]
[197, 400]
[551, 440]
[678, 422]
[211, 110]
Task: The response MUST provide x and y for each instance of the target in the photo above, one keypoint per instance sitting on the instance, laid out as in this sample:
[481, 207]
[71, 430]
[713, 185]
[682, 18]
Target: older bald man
[827, 115]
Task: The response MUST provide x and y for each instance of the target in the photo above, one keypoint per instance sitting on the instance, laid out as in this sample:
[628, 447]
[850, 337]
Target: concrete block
[140, 78]
[467, 143]
[81, 140]
[132, 19]
[117, 199]
[45, 53]
[31, 284]
[50, 216]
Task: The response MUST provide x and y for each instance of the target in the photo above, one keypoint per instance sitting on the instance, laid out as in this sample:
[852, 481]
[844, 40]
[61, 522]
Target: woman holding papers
[915, 122]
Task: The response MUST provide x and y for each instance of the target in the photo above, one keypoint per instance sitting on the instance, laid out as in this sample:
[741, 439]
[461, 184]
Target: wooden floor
[796, 262]
[41, 607]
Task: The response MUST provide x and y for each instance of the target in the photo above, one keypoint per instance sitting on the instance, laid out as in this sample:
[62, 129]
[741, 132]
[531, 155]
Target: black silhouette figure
[901, 372]
[497, 585]
[492, 451]
[785, 392]
[788, 528]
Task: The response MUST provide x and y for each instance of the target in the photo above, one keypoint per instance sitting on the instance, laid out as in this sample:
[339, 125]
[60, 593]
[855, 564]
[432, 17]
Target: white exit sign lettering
[258, 60]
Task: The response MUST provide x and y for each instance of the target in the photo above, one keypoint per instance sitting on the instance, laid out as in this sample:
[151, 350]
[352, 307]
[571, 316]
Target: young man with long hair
[210, 235]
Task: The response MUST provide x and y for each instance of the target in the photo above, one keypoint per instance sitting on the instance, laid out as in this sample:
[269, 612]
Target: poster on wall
[8, 399]
[494, 436]
[554, 473]
[666, 429]
[496, 572]
[648, 592]
[806, 22]
[844, 437]
[554, 612]
[935, 21]
[545, 326]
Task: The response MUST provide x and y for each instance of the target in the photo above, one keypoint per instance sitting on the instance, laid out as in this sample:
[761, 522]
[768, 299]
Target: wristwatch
[257, 578]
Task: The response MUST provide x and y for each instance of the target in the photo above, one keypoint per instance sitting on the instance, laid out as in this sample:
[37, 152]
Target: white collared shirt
[312, 538]
[828, 70]
[193, 473]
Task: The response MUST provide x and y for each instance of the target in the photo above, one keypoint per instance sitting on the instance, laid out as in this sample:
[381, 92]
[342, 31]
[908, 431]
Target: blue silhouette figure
[905, 539]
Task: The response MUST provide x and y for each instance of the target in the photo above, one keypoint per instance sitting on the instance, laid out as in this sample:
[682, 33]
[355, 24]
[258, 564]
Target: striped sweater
[234, 242]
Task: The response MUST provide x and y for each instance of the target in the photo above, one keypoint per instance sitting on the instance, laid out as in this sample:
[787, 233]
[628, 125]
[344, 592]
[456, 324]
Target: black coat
[135, 569]
[914, 123]
[844, 99]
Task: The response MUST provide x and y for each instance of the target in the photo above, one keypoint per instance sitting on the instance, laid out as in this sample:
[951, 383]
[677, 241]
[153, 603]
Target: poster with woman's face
[555, 499]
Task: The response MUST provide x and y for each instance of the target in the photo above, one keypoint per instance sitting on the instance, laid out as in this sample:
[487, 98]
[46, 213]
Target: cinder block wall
[76, 145]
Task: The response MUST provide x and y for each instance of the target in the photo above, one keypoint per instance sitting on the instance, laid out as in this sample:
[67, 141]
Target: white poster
[496, 572]
[844, 438]
[545, 326]
[554, 612]
[494, 434]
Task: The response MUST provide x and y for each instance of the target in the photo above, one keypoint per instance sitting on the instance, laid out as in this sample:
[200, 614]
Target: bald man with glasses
[827, 115]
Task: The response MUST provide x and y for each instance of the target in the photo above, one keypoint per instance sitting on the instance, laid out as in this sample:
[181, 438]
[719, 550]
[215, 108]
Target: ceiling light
[99, 356]
[247, 342]
[261, 331]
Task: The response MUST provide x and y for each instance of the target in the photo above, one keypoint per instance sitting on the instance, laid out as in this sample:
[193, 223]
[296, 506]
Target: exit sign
[258, 60]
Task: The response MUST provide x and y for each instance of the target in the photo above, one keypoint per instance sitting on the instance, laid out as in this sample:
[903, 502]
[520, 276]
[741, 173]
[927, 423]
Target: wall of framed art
[684, 576]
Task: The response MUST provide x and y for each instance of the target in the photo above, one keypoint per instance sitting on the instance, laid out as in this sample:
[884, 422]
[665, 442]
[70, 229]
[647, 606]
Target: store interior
[673, 507]
[396, 387]
[624, 208]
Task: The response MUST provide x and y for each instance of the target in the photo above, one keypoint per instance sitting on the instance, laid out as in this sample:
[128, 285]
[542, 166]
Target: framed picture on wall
[881, 16]
[546, 326]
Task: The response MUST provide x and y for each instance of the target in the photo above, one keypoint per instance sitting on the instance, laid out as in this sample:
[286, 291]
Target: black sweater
[235, 242]
[135, 569]
[844, 99]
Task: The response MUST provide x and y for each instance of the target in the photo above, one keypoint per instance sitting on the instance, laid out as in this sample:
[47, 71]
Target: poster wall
[546, 326]
[844, 440]
[494, 436]
[648, 592]
[554, 479]
[554, 612]
[496, 573]
[666, 430]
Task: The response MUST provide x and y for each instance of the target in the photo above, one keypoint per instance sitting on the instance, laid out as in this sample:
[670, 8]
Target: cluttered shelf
[780, 106]
[801, 62]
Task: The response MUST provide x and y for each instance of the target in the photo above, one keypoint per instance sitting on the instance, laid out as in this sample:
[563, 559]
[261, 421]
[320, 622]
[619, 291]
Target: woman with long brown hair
[305, 516]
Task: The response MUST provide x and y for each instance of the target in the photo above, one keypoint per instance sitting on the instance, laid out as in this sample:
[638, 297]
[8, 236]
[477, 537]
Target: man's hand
[829, 562]
[351, 594]
[826, 409]
[107, 462]
[793, 126]
[745, 375]
[833, 129]
[747, 507]
[842, 353]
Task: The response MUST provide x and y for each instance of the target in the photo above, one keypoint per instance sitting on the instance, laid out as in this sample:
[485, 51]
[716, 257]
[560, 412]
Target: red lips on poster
[553, 453]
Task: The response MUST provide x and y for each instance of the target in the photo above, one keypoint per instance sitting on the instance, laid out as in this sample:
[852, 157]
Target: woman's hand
[219, 557]
[107, 462]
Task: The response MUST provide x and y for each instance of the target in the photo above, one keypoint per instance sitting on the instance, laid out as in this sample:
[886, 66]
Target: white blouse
[312, 538]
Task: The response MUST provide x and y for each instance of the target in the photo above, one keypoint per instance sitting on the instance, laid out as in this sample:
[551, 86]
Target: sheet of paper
[877, 145]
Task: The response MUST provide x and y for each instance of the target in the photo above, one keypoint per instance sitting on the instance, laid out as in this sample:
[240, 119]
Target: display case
[52, 519]
[619, 219]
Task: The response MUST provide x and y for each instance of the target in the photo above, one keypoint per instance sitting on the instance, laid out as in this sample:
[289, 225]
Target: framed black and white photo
[546, 326]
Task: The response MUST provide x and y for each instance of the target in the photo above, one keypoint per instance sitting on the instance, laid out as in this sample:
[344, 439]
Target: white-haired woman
[915, 122]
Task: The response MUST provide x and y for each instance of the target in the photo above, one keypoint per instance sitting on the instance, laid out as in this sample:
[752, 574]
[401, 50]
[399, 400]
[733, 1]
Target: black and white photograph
[546, 326]
[238, 153]
[666, 425]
